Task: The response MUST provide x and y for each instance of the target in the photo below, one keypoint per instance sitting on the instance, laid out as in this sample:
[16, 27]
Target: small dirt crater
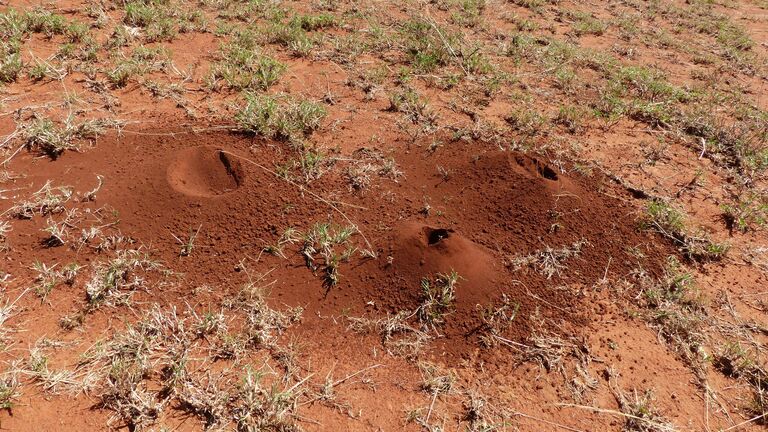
[204, 171]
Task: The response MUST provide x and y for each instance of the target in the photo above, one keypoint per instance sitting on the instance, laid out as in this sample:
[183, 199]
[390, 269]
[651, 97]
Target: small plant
[435, 379]
[428, 47]
[319, 249]
[397, 335]
[46, 201]
[526, 122]
[207, 398]
[640, 414]
[243, 66]
[189, 245]
[437, 298]
[570, 117]
[262, 323]
[40, 20]
[735, 361]
[496, 319]
[284, 118]
[9, 391]
[57, 230]
[314, 22]
[157, 19]
[10, 61]
[587, 24]
[415, 108]
[114, 280]
[5, 228]
[370, 162]
[53, 381]
[678, 286]
[289, 236]
[664, 218]
[565, 78]
[142, 60]
[470, 13]
[676, 311]
[49, 277]
[260, 407]
[47, 137]
[130, 401]
[533, 4]
[746, 214]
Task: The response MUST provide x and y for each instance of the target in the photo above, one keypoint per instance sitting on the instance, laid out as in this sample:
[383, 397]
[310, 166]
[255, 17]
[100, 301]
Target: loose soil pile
[507, 224]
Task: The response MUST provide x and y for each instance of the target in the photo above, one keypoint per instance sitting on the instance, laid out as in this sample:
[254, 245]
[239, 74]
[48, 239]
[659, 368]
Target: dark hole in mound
[546, 172]
[535, 166]
[233, 169]
[436, 235]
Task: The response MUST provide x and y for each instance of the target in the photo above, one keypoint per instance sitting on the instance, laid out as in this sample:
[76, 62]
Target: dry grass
[450, 68]
[549, 262]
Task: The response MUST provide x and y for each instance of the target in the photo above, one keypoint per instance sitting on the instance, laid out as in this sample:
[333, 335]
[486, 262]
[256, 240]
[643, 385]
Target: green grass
[427, 46]
[468, 13]
[45, 136]
[738, 362]
[42, 21]
[415, 108]
[291, 35]
[141, 61]
[158, 19]
[587, 24]
[667, 220]
[526, 122]
[533, 4]
[10, 61]
[281, 117]
[9, 392]
[243, 66]
[320, 252]
[437, 298]
[571, 117]
[649, 84]
[678, 286]
[314, 22]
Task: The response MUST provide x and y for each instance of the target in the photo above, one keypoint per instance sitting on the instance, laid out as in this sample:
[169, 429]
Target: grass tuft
[279, 117]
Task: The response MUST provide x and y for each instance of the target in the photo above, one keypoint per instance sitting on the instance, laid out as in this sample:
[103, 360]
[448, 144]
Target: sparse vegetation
[670, 222]
[396, 116]
[9, 391]
[114, 281]
[549, 262]
[437, 298]
[45, 136]
[640, 414]
[320, 252]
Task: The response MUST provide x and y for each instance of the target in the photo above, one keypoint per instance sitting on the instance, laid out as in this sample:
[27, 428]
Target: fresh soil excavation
[453, 256]
[505, 223]
[419, 216]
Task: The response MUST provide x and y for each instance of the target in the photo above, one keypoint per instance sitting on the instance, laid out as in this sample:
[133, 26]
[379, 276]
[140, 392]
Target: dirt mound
[422, 251]
[426, 250]
[511, 227]
[514, 229]
[205, 172]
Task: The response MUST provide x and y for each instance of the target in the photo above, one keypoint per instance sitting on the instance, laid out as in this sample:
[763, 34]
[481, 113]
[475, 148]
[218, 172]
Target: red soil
[487, 208]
